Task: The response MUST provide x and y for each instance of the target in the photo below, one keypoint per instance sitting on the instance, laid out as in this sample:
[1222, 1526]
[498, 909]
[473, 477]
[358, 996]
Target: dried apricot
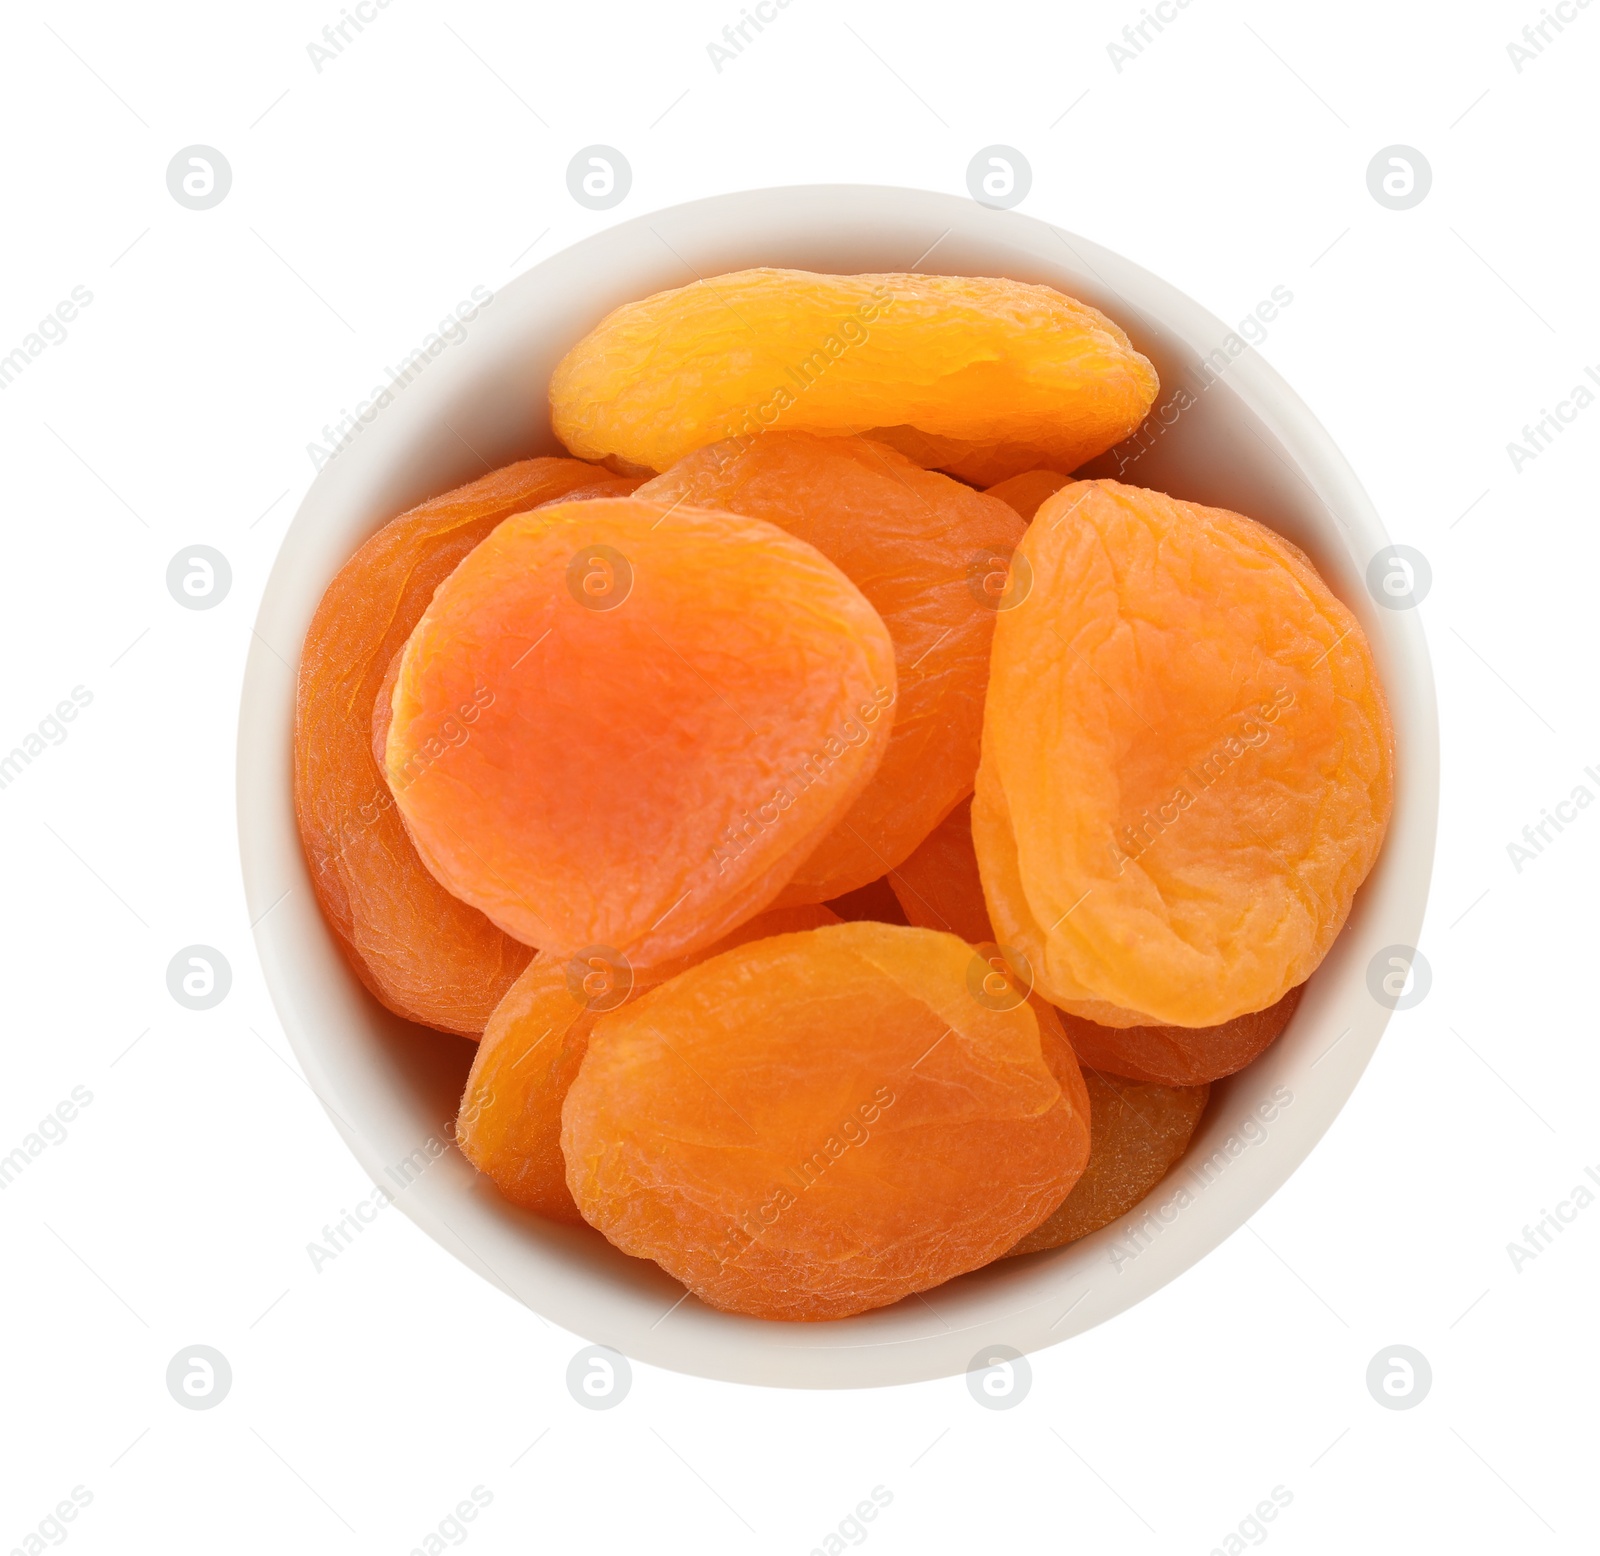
[917, 545]
[422, 952]
[625, 725]
[1026, 491]
[996, 376]
[938, 885]
[1181, 1056]
[1136, 1133]
[818, 1124]
[1187, 761]
[875, 901]
[509, 1124]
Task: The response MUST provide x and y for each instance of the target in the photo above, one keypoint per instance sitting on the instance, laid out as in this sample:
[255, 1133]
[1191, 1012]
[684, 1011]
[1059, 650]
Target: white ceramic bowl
[391, 1088]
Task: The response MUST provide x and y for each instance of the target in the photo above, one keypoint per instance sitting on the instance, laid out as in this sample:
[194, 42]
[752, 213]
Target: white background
[368, 200]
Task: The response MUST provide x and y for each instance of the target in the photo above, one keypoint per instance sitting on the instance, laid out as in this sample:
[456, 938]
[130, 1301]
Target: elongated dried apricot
[821, 1123]
[1136, 1133]
[509, 1124]
[1025, 492]
[625, 725]
[1000, 375]
[1187, 761]
[422, 952]
[917, 545]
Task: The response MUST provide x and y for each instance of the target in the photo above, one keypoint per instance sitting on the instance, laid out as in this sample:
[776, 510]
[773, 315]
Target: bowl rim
[337, 1032]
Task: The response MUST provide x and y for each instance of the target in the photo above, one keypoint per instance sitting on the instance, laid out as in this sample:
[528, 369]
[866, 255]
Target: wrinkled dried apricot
[939, 887]
[1181, 1056]
[1026, 491]
[916, 544]
[1136, 1133]
[509, 1124]
[1187, 761]
[997, 376]
[422, 952]
[625, 725]
[818, 1124]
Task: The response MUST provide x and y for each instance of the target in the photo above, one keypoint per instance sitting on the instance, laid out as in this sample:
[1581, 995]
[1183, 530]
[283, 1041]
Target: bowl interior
[1239, 439]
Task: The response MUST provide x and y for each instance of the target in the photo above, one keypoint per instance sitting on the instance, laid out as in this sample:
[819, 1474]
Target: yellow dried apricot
[822, 1123]
[918, 546]
[1136, 1133]
[625, 725]
[509, 1123]
[422, 952]
[1000, 376]
[1187, 761]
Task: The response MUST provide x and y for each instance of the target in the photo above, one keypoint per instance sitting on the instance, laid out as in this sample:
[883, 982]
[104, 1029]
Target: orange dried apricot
[1026, 491]
[938, 885]
[509, 1123]
[998, 376]
[875, 901]
[423, 953]
[624, 724]
[1136, 1133]
[821, 1123]
[917, 545]
[1181, 1056]
[1187, 761]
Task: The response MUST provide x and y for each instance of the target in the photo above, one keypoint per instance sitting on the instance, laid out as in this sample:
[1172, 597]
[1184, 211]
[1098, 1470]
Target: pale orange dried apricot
[996, 376]
[917, 545]
[423, 953]
[509, 1123]
[1136, 1133]
[1187, 761]
[1026, 491]
[624, 724]
[822, 1123]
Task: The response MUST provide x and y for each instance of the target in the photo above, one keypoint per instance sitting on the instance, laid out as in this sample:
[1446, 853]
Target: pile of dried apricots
[857, 844]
